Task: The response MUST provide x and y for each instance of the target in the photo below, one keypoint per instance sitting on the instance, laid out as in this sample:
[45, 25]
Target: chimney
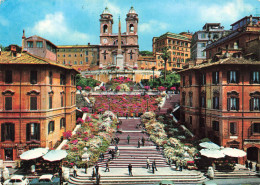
[23, 40]
[13, 50]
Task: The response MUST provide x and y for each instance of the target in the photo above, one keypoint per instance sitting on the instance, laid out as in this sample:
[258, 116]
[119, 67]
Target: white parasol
[55, 155]
[233, 152]
[33, 153]
[212, 153]
[209, 145]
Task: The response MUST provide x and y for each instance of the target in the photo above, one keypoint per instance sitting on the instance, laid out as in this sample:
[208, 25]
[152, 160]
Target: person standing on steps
[86, 167]
[96, 167]
[128, 139]
[143, 140]
[153, 167]
[246, 163]
[154, 164]
[147, 163]
[250, 165]
[93, 174]
[130, 170]
[107, 167]
[98, 179]
[138, 143]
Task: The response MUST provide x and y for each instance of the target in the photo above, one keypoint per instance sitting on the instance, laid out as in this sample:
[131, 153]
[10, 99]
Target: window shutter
[37, 131]
[49, 127]
[217, 77]
[228, 77]
[214, 102]
[213, 77]
[235, 128]
[28, 133]
[12, 132]
[217, 98]
[228, 104]
[237, 76]
[251, 104]
[251, 77]
[3, 132]
[237, 104]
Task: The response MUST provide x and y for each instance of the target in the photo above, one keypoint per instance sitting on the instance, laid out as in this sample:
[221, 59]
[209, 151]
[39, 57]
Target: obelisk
[119, 56]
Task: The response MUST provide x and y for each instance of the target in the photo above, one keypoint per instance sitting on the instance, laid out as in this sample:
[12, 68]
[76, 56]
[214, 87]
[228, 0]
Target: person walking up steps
[147, 163]
[128, 139]
[130, 170]
[143, 141]
[139, 143]
[154, 164]
[107, 167]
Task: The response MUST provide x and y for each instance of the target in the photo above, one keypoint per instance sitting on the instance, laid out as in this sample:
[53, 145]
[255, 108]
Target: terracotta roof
[27, 58]
[226, 61]
[28, 38]
[76, 46]
[175, 36]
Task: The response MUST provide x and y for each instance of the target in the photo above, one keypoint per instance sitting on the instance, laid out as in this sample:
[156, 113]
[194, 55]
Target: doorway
[252, 154]
[8, 154]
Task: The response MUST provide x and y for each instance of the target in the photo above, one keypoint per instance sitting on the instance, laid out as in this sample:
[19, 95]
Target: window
[215, 100]
[215, 125]
[62, 123]
[183, 81]
[256, 128]
[51, 127]
[233, 128]
[232, 101]
[202, 122]
[86, 52]
[62, 79]
[183, 98]
[30, 44]
[203, 35]
[190, 120]
[39, 44]
[64, 55]
[131, 28]
[7, 132]
[87, 59]
[32, 131]
[203, 99]
[105, 28]
[33, 103]
[8, 77]
[190, 98]
[8, 103]
[203, 79]
[81, 62]
[233, 77]
[203, 44]
[254, 101]
[75, 55]
[215, 77]
[254, 77]
[62, 100]
[190, 80]
[69, 55]
[50, 101]
[33, 77]
[75, 62]
[50, 77]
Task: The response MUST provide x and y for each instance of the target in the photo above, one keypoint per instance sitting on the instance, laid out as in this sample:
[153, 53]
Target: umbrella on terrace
[233, 152]
[34, 153]
[55, 155]
[212, 153]
[209, 145]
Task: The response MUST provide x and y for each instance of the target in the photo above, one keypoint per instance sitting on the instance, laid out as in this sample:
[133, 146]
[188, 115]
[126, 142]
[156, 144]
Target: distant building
[237, 42]
[179, 48]
[220, 100]
[37, 97]
[200, 39]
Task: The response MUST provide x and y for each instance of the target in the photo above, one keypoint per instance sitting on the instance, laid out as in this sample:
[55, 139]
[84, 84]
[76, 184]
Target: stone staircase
[235, 174]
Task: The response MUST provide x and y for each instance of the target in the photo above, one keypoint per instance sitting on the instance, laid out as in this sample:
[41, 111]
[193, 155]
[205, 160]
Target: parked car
[17, 180]
[46, 180]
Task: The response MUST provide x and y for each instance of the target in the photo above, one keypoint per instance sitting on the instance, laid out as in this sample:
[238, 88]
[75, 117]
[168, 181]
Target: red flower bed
[122, 104]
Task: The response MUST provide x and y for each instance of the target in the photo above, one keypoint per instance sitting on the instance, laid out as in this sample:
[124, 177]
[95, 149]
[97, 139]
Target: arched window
[62, 123]
[32, 131]
[51, 127]
[131, 28]
[105, 28]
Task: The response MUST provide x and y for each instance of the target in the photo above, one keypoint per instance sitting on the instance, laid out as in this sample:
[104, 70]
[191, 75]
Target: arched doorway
[252, 154]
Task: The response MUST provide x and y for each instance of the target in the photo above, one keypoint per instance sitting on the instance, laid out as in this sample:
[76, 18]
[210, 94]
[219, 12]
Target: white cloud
[153, 26]
[54, 27]
[230, 11]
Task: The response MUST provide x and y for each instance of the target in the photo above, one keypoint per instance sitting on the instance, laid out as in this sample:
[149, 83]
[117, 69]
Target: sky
[71, 22]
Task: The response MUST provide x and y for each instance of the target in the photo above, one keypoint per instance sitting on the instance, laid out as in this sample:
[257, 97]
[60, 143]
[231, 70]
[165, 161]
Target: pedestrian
[143, 141]
[154, 164]
[86, 167]
[180, 166]
[250, 165]
[116, 148]
[138, 143]
[60, 175]
[256, 167]
[98, 179]
[96, 167]
[152, 167]
[117, 153]
[128, 139]
[113, 154]
[107, 167]
[246, 163]
[126, 116]
[93, 174]
[157, 148]
[75, 171]
[102, 156]
[112, 141]
[130, 170]
[147, 163]
[159, 108]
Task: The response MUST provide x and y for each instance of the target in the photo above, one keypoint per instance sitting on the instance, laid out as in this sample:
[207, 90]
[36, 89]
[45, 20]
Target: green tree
[165, 56]
[172, 79]
[83, 82]
[145, 53]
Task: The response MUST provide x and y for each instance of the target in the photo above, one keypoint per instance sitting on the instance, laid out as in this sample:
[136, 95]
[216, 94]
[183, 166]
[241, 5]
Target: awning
[209, 145]
[55, 155]
[34, 153]
[233, 152]
[212, 153]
